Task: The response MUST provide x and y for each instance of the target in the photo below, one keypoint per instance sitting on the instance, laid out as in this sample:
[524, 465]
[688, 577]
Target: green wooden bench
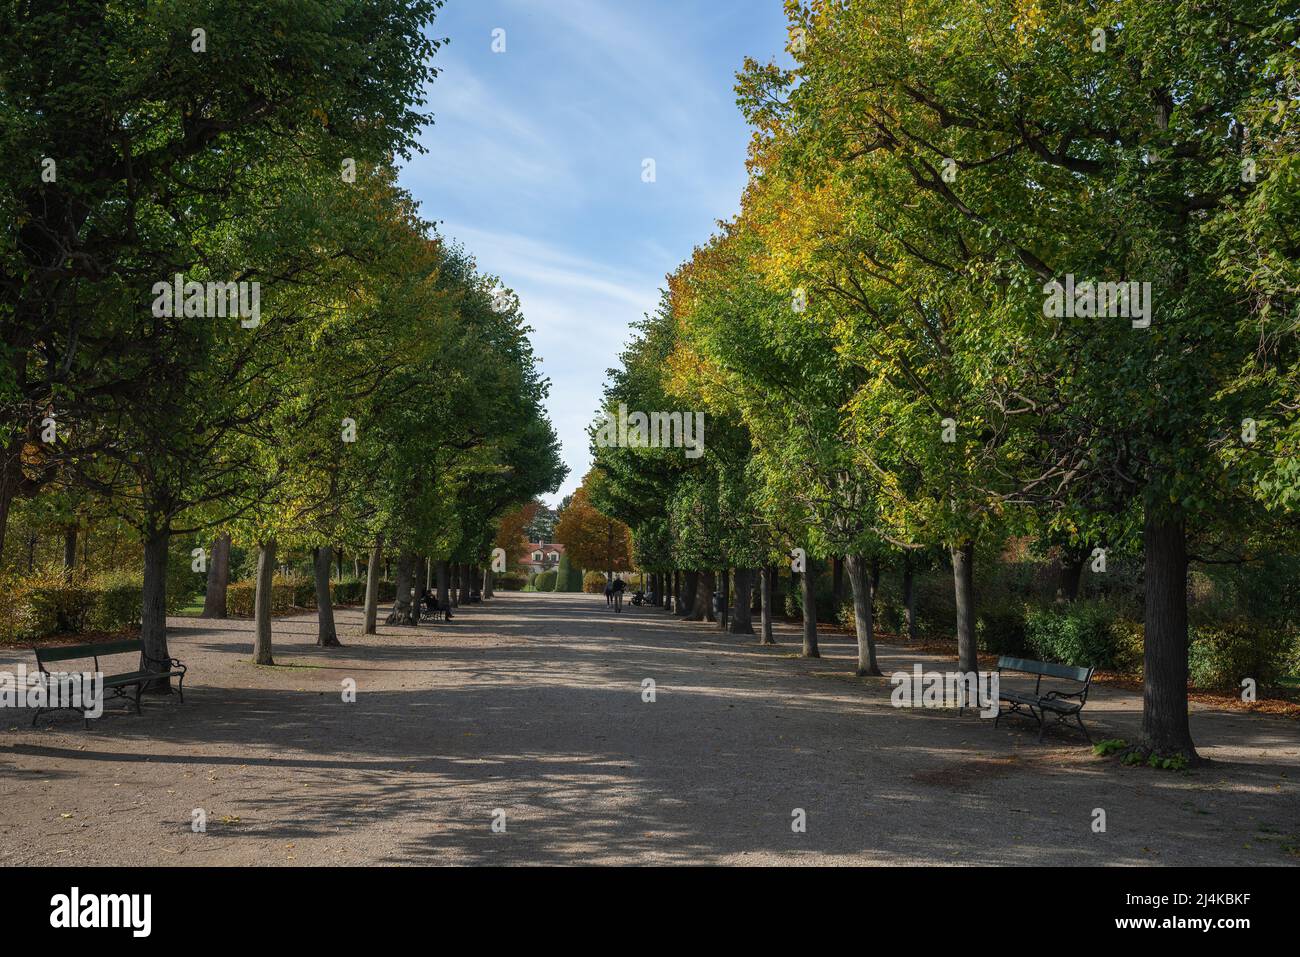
[1061, 703]
[118, 683]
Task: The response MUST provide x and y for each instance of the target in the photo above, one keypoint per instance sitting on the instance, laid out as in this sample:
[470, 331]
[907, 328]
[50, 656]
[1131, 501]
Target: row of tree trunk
[454, 583]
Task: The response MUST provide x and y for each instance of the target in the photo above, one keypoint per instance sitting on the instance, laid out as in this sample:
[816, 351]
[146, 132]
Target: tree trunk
[686, 602]
[741, 622]
[702, 609]
[1070, 571]
[214, 601]
[963, 562]
[864, 618]
[327, 635]
[372, 586]
[464, 577]
[909, 597]
[11, 475]
[875, 583]
[444, 578]
[1164, 690]
[810, 649]
[262, 604]
[487, 583]
[724, 597]
[402, 605]
[765, 610]
[69, 550]
[837, 582]
[153, 609]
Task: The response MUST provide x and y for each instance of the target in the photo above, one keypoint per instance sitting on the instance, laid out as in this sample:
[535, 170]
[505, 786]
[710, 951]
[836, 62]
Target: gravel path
[532, 704]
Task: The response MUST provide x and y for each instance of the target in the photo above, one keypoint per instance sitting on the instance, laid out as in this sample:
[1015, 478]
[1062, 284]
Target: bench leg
[139, 690]
[180, 688]
[1082, 728]
[1042, 725]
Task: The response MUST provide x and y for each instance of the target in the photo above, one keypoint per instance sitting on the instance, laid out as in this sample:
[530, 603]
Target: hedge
[297, 593]
[47, 602]
[1223, 653]
[593, 583]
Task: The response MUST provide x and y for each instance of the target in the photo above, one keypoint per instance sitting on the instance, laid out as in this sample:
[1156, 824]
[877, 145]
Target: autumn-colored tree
[512, 532]
[591, 539]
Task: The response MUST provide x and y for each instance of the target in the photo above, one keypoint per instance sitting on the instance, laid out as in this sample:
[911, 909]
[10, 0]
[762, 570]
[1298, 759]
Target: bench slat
[97, 649]
[1031, 667]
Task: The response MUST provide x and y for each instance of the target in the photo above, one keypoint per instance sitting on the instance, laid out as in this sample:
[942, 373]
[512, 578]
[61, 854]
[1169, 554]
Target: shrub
[241, 596]
[508, 583]
[118, 603]
[546, 581]
[567, 577]
[1078, 633]
[889, 612]
[48, 603]
[1127, 635]
[1223, 653]
[24, 616]
[593, 583]
[845, 618]
[351, 591]
[1001, 630]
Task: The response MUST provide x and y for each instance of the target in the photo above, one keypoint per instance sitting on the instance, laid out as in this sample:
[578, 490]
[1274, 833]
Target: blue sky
[535, 156]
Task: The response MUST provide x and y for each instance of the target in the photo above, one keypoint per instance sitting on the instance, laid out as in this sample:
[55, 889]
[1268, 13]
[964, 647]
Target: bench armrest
[1065, 694]
[174, 663]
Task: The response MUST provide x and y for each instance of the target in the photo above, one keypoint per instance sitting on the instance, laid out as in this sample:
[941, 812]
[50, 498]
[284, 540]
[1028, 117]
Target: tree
[591, 539]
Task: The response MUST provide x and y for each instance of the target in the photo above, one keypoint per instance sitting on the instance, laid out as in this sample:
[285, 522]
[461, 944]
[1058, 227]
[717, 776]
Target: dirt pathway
[532, 705]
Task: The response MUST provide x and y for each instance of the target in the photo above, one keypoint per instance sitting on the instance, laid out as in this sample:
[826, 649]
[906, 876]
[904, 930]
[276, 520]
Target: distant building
[541, 557]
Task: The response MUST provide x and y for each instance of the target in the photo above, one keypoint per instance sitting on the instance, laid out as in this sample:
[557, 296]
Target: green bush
[567, 577]
[1127, 635]
[1001, 630]
[508, 583]
[118, 604]
[351, 591]
[241, 596]
[545, 581]
[1223, 653]
[1079, 633]
[890, 613]
[48, 603]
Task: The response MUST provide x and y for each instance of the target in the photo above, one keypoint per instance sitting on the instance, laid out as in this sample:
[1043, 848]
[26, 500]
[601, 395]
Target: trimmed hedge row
[1086, 633]
[48, 603]
[298, 593]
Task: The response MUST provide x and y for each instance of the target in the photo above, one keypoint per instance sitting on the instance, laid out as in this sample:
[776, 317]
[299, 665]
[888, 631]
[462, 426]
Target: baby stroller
[638, 598]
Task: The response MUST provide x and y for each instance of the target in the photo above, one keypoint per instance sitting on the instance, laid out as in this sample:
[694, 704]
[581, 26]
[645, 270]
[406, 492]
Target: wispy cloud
[534, 162]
